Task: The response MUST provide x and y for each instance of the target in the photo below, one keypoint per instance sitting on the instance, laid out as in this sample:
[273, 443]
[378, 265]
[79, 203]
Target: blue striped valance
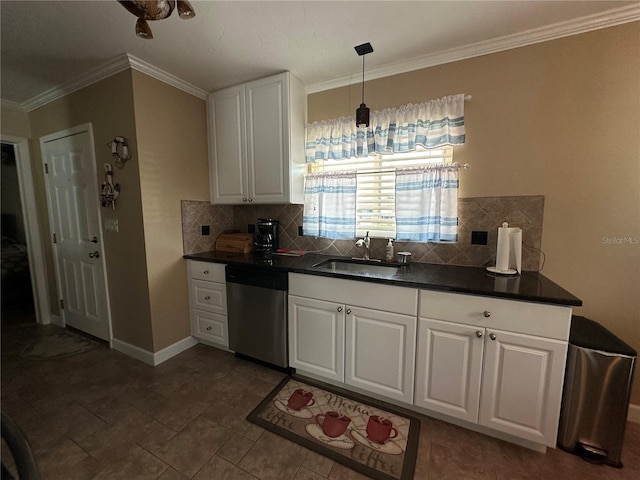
[430, 125]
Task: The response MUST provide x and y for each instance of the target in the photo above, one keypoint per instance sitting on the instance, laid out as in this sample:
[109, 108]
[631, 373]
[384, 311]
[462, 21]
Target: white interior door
[70, 169]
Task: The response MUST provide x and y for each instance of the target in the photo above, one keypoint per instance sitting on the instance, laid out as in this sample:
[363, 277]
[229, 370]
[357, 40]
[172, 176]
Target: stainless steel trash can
[597, 386]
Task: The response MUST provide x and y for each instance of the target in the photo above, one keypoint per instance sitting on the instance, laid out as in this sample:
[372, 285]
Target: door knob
[95, 254]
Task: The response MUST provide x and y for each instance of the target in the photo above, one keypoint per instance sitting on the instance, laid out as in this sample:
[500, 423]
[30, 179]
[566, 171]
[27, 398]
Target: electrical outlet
[205, 230]
[479, 238]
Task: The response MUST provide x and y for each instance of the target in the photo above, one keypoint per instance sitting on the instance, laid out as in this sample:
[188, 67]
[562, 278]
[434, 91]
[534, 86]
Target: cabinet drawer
[551, 321]
[210, 326]
[209, 296]
[212, 272]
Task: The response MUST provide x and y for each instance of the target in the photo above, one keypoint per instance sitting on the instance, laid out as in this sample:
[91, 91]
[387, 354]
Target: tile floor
[104, 416]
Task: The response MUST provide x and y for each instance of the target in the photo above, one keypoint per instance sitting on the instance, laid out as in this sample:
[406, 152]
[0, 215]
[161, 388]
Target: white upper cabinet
[256, 142]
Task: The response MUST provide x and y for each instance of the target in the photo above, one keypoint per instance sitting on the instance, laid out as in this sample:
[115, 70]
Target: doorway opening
[18, 303]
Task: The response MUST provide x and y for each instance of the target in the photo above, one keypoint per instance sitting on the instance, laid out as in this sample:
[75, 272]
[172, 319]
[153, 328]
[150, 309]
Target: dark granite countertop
[529, 286]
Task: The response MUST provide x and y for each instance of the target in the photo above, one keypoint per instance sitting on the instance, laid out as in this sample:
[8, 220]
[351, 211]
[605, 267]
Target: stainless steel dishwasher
[257, 312]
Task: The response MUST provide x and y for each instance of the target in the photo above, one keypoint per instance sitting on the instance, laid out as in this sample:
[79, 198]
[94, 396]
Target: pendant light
[362, 113]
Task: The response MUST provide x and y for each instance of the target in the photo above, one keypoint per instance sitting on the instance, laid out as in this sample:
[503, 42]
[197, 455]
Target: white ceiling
[46, 45]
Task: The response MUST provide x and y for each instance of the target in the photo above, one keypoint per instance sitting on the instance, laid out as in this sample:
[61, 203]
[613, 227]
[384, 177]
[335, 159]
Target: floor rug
[367, 435]
[58, 345]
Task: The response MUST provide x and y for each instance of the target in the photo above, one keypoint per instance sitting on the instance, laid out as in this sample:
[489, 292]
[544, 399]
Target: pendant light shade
[185, 10]
[362, 113]
[143, 30]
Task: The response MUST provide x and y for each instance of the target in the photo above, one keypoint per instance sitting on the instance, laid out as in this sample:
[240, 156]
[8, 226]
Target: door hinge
[61, 304]
[46, 168]
[55, 240]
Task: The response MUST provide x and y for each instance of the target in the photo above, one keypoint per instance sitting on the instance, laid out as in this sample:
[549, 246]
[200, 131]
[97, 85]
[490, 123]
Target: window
[375, 193]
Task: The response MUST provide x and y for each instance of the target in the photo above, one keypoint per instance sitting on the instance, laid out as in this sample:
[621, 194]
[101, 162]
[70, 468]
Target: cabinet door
[522, 385]
[268, 139]
[316, 337]
[380, 352]
[227, 146]
[449, 368]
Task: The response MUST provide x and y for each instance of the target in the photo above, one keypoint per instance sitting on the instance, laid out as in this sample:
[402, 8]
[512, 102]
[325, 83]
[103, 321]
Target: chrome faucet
[366, 243]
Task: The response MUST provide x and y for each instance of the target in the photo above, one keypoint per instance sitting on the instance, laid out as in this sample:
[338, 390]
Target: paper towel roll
[515, 248]
[502, 252]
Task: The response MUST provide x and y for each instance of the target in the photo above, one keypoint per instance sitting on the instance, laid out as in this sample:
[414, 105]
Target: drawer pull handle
[348, 311]
[479, 333]
[486, 313]
[206, 272]
[339, 309]
[492, 336]
[207, 297]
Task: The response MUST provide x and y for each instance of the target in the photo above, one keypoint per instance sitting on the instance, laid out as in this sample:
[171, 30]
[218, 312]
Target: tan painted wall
[14, 122]
[108, 105]
[172, 142]
[560, 119]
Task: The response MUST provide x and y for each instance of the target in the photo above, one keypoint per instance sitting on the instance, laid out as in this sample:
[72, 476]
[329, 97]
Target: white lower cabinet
[501, 378]
[316, 337]
[380, 352]
[333, 336]
[208, 302]
[522, 385]
[449, 368]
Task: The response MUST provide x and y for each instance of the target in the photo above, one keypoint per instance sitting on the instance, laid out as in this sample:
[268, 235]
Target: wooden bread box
[235, 243]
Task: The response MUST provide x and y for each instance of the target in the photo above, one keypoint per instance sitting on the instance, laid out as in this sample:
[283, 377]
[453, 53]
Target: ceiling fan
[155, 10]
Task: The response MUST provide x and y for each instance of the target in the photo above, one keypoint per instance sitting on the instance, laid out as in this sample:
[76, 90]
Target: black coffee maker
[265, 239]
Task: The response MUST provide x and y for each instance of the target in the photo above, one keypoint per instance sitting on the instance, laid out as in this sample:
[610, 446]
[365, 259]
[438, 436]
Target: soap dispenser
[389, 255]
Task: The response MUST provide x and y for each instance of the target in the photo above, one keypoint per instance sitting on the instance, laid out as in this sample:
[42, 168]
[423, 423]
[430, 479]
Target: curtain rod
[466, 166]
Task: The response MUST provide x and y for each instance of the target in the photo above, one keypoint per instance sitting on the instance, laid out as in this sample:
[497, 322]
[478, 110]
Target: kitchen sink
[358, 266]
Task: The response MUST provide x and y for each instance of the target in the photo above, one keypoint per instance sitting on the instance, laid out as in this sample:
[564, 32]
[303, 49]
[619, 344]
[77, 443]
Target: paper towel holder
[508, 252]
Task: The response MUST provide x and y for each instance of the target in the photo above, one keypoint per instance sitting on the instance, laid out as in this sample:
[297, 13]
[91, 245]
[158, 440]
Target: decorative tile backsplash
[474, 214]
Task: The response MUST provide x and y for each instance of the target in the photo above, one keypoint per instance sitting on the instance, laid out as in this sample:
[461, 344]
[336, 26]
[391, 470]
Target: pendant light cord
[363, 78]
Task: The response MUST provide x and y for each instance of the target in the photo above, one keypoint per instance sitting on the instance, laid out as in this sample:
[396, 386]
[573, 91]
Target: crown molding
[9, 105]
[148, 69]
[117, 65]
[589, 23]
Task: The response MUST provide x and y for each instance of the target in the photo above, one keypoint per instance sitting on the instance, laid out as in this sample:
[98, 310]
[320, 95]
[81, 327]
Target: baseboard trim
[56, 320]
[151, 358]
[173, 350]
[634, 413]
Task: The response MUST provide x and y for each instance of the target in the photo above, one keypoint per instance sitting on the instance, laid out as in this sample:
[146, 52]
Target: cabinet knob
[207, 297]
[206, 272]
[348, 311]
[479, 333]
[208, 329]
[492, 336]
[486, 313]
[339, 309]
[249, 200]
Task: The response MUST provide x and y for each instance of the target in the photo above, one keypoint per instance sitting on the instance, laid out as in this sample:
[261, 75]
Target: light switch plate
[111, 225]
